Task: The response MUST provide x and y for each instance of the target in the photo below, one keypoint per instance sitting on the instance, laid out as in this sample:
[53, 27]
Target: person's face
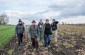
[47, 21]
[40, 20]
[53, 20]
[20, 22]
[33, 23]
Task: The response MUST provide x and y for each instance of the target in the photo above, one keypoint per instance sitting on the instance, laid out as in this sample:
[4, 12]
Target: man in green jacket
[33, 31]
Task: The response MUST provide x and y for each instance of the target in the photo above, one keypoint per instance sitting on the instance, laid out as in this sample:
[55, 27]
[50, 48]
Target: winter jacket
[33, 31]
[54, 25]
[20, 29]
[40, 27]
[47, 29]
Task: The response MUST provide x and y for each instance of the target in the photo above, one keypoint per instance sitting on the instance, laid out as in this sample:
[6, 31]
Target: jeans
[47, 40]
[20, 36]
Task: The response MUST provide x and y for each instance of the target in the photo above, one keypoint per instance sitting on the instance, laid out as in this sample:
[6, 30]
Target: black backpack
[40, 26]
[54, 26]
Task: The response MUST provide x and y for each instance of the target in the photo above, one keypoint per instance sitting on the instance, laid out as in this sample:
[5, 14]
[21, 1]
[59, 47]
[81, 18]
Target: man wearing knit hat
[19, 32]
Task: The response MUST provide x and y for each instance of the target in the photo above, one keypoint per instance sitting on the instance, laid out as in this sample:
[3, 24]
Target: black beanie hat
[20, 20]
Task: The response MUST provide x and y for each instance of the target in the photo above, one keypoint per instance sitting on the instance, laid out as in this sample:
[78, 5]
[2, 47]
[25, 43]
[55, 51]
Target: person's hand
[23, 34]
[16, 35]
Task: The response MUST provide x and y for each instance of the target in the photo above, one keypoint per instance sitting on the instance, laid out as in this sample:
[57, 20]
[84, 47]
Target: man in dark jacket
[47, 33]
[54, 29]
[19, 32]
[54, 25]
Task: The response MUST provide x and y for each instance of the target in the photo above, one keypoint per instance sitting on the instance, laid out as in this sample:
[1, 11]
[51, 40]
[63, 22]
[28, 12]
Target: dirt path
[26, 49]
[67, 44]
[12, 48]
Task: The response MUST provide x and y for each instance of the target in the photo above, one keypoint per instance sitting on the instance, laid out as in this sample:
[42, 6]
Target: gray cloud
[66, 9]
[76, 8]
[38, 13]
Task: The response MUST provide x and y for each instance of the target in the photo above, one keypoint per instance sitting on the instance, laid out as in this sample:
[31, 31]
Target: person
[54, 25]
[40, 30]
[47, 33]
[54, 29]
[33, 31]
[24, 34]
[19, 32]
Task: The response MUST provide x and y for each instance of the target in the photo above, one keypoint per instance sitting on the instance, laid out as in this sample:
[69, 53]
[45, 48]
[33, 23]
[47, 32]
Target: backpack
[40, 26]
[54, 26]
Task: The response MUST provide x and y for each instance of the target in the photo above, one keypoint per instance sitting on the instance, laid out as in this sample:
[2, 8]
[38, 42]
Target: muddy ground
[68, 43]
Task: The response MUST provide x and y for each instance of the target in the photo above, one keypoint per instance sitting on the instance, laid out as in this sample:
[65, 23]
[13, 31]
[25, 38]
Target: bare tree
[3, 19]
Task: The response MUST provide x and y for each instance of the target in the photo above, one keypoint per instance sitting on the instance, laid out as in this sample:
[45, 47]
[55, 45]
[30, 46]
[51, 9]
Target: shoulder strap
[44, 26]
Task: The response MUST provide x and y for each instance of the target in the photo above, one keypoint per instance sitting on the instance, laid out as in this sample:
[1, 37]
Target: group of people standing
[38, 32]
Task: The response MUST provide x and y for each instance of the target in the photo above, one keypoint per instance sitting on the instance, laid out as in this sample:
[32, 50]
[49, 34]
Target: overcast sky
[70, 11]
